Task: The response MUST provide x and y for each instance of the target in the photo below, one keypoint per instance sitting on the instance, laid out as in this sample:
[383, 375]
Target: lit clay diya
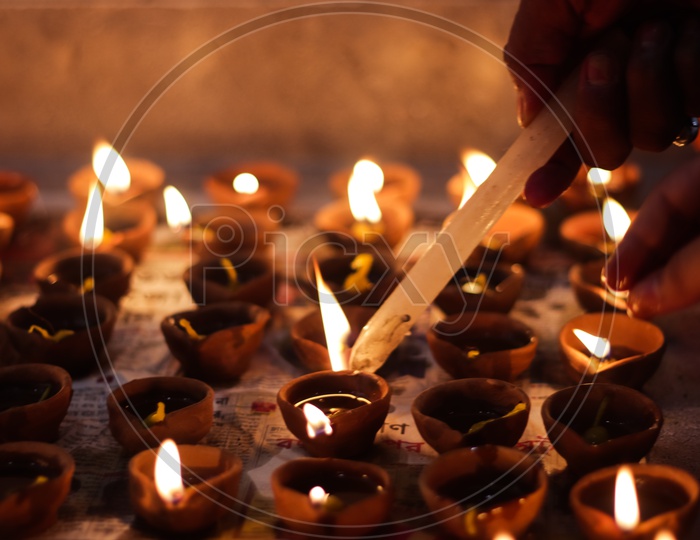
[590, 292]
[277, 185]
[65, 330]
[231, 279]
[477, 493]
[636, 349]
[667, 499]
[137, 420]
[35, 479]
[17, 194]
[471, 412]
[482, 287]
[597, 425]
[107, 273]
[620, 183]
[309, 338]
[331, 497]
[34, 399]
[355, 402]
[401, 182]
[210, 477]
[482, 344]
[584, 236]
[216, 342]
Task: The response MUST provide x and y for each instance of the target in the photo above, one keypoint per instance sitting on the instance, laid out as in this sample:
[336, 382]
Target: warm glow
[110, 168]
[93, 226]
[335, 324]
[599, 177]
[503, 536]
[366, 180]
[615, 219]
[626, 505]
[597, 346]
[246, 183]
[168, 477]
[664, 535]
[177, 213]
[318, 496]
[478, 166]
[317, 423]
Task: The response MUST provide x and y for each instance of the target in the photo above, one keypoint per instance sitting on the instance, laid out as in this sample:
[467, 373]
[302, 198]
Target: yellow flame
[335, 324]
[110, 168]
[599, 177]
[177, 213]
[168, 478]
[318, 496]
[626, 505]
[367, 179]
[317, 423]
[664, 535]
[246, 183]
[615, 219]
[478, 167]
[597, 346]
[503, 536]
[92, 228]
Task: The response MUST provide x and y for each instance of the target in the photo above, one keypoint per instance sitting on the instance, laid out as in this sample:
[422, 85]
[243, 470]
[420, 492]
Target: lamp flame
[168, 478]
[366, 180]
[599, 177]
[177, 213]
[626, 504]
[597, 346]
[615, 219]
[93, 225]
[503, 536]
[317, 423]
[318, 496]
[335, 324]
[664, 535]
[110, 168]
[246, 183]
[478, 167]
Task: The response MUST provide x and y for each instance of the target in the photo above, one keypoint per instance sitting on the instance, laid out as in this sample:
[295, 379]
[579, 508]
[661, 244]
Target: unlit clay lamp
[144, 412]
[34, 399]
[331, 497]
[66, 330]
[482, 344]
[597, 425]
[635, 502]
[35, 479]
[471, 412]
[617, 349]
[481, 492]
[17, 194]
[107, 273]
[216, 342]
[185, 488]
[400, 182]
[594, 183]
[590, 292]
[249, 279]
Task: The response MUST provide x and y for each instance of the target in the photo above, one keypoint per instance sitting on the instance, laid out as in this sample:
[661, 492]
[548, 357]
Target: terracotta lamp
[598, 425]
[611, 348]
[7, 229]
[35, 479]
[144, 412]
[481, 492]
[34, 399]
[590, 292]
[482, 344]
[594, 184]
[331, 497]
[216, 342]
[471, 412]
[400, 182]
[17, 194]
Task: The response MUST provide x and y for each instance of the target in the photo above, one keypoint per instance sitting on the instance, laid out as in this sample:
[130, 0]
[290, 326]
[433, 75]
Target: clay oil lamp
[329, 497]
[471, 412]
[611, 348]
[482, 344]
[483, 492]
[591, 293]
[35, 479]
[251, 185]
[216, 342]
[34, 399]
[66, 330]
[401, 182]
[482, 286]
[17, 194]
[598, 425]
[516, 233]
[594, 184]
[122, 180]
[227, 279]
[143, 412]
[635, 502]
[183, 489]
[587, 235]
[362, 218]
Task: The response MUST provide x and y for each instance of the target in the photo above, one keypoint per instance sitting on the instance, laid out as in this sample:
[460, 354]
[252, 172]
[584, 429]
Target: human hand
[658, 260]
[639, 77]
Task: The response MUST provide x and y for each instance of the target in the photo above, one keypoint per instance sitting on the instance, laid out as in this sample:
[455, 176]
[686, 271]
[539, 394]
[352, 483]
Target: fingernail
[645, 298]
[653, 36]
[599, 69]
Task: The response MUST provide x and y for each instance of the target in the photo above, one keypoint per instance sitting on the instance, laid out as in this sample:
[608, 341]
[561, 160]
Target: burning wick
[246, 183]
[317, 423]
[626, 504]
[168, 476]
[597, 346]
[318, 496]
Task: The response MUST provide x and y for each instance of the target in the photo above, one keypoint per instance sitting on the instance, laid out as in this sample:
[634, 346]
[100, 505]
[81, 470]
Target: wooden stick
[452, 246]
